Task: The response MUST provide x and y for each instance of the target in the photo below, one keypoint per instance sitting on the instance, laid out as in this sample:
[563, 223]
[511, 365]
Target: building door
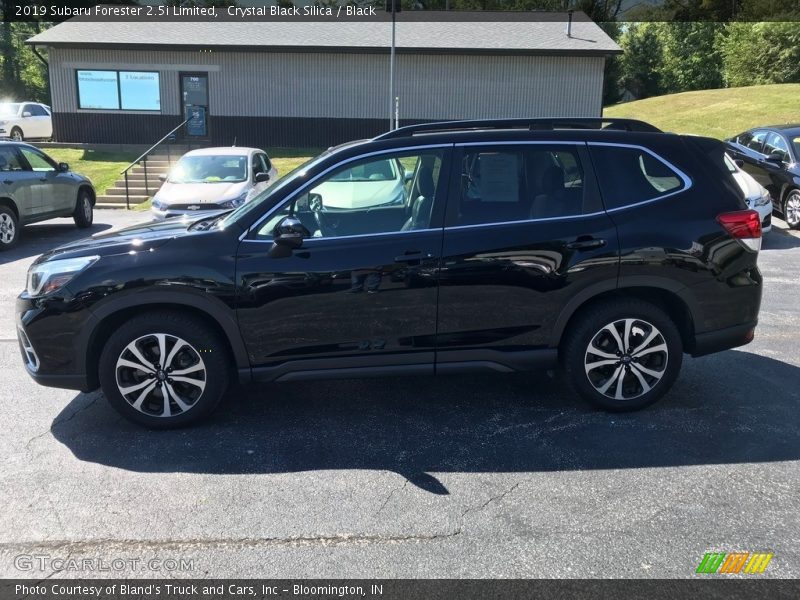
[194, 99]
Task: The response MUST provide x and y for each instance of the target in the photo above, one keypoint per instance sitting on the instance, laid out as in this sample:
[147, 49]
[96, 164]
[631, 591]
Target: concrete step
[140, 176]
[108, 199]
[115, 205]
[154, 184]
[151, 169]
[132, 190]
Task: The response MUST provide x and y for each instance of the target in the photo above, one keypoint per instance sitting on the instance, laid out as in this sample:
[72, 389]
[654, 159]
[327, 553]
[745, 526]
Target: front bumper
[52, 343]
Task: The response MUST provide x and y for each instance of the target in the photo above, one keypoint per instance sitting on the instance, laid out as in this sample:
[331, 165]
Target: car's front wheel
[791, 209]
[83, 214]
[622, 355]
[16, 135]
[9, 228]
[164, 370]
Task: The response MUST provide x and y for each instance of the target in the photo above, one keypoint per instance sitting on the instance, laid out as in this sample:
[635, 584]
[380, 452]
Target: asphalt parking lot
[481, 476]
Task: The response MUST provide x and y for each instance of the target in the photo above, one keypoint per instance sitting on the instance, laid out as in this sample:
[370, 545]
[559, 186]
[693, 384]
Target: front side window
[202, 168]
[37, 160]
[502, 184]
[775, 144]
[373, 196]
[629, 175]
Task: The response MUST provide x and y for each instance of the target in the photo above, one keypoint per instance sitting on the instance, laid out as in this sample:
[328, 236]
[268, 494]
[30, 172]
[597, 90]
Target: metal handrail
[124, 172]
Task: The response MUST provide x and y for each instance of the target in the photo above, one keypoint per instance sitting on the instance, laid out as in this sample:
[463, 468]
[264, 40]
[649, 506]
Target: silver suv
[33, 187]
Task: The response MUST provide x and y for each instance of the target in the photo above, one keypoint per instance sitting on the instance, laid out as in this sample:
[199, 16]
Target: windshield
[9, 109]
[383, 170]
[262, 199]
[209, 169]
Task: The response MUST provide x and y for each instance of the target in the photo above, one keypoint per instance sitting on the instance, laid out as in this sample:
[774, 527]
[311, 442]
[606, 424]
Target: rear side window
[518, 183]
[630, 175]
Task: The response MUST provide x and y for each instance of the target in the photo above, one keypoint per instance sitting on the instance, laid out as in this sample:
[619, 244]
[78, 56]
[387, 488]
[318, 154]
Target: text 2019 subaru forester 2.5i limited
[605, 246]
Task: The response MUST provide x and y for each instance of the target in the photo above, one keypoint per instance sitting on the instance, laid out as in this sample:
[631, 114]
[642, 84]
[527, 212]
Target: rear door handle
[412, 256]
[586, 243]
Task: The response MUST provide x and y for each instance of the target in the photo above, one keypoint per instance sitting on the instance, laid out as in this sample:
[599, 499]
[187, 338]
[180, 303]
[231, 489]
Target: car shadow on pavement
[733, 407]
[41, 237]
[780, 239]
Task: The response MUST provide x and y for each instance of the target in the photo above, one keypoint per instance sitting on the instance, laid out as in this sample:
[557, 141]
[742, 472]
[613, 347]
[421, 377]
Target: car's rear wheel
[9, 228]
[164, 370]
[16, 135]
[622, 355]
[791, 209]
[84, 210]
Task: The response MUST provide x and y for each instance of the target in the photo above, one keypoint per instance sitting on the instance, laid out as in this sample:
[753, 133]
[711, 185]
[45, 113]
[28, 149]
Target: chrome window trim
[328, 170]
[687, 181]
[528, 221]
[349, 237]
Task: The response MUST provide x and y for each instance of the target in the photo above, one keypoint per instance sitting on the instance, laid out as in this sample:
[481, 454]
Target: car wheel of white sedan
[16, 135]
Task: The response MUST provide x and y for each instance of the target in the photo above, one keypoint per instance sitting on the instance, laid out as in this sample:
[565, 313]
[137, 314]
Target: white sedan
[25, 121]
[377, 183]
[756, 195]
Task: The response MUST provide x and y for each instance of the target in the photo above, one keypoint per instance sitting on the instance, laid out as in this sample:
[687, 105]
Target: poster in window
[139, 90]
[98, 90]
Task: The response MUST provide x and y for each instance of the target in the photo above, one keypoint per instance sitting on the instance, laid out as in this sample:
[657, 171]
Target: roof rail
[530, 124]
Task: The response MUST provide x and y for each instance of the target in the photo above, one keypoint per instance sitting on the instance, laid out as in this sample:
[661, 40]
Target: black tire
[83, 215]
[17, 135]
[589, 372]
[9, 228]
[791, 214]
[205, 348]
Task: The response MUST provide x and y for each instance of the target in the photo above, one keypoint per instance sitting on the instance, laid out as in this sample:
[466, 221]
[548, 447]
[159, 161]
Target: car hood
[138, 238]
[357, 194]
[183, 193]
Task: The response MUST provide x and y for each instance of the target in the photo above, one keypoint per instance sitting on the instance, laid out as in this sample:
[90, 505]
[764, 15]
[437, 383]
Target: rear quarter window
[629, 175]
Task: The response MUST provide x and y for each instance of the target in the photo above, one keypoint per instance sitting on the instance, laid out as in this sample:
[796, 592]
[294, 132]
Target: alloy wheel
[7, 229]
[16, 135]
[87, 208]
[160, 375]
[626, 359]
[792, 209]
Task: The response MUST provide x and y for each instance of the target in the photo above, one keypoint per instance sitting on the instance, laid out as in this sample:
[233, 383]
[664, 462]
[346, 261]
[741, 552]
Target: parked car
[756, 196]
[380, 183]
[770, 155]
[25, 121]
[648, 251]
[34, 187]
[211, 180]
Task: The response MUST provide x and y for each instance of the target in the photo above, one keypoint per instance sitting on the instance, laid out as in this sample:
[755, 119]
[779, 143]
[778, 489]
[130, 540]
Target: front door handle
[412, 256]
[586, 243]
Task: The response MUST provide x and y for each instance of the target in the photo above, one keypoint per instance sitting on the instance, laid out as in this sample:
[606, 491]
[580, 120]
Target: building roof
[545, 36]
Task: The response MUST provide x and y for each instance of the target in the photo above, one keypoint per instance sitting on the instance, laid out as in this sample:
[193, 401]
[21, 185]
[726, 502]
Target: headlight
[765, 199]
[235, 203]
[52, 275]
[157, 204]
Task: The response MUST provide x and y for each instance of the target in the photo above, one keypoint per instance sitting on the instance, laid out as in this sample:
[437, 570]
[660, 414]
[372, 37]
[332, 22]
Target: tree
[691, 59]
[761, 53]
[640, 64]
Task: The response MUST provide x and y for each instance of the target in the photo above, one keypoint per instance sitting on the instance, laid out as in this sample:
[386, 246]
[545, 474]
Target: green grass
[102, 168]
[716, 113]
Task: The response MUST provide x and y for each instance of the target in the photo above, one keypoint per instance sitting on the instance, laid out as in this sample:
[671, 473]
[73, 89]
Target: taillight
[745, 226]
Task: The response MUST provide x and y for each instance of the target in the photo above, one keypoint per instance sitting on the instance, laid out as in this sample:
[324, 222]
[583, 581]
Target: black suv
[604, 245]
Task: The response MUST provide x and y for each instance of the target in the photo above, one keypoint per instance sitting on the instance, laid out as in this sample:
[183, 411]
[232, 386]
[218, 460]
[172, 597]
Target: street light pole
[392, 124]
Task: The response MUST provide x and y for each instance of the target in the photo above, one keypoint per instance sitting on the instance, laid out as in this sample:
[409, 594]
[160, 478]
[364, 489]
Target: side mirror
[739, 163]
[262, 177]
[162, 177]
[289, 235]
[63, 167]
[408, 175]
[775, 157]
[27, 114]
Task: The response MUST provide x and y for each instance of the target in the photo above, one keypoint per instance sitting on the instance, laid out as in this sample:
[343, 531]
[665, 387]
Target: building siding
[289, 91]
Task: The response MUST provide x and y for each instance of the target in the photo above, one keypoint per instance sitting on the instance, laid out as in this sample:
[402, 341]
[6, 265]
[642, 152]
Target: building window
[119, 90]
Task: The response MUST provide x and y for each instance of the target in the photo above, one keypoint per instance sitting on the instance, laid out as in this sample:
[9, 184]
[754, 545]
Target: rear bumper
[723, 339]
